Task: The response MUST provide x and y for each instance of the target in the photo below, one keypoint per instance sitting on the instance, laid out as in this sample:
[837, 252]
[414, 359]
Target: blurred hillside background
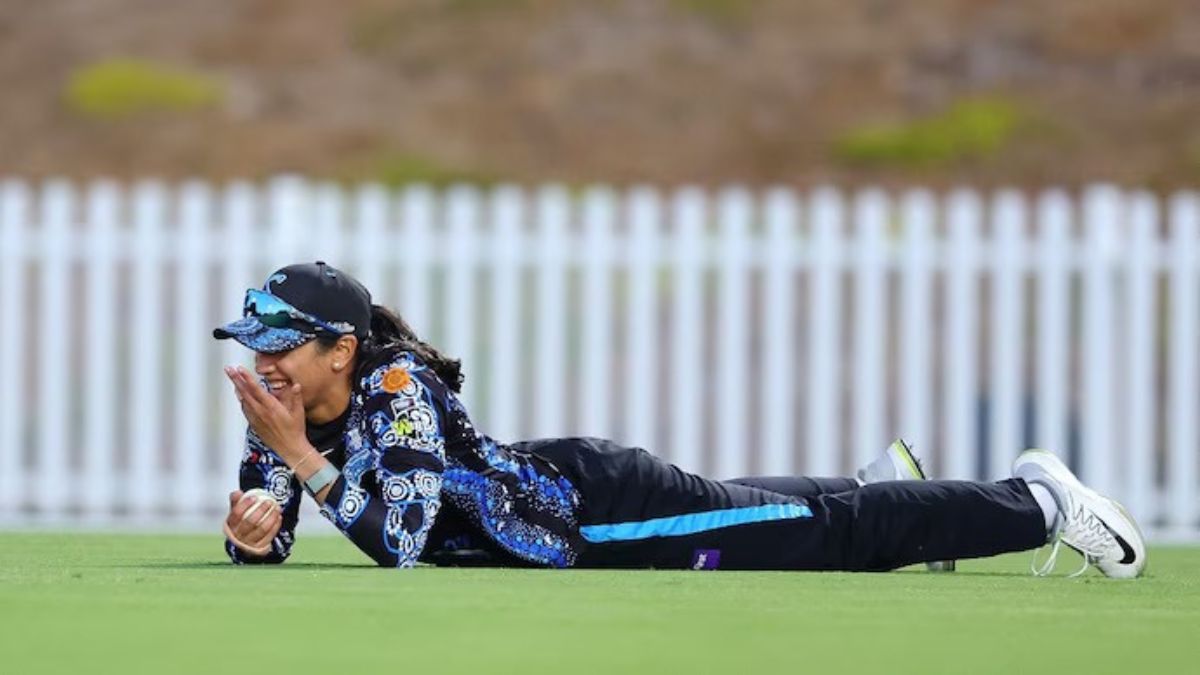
[987, 92]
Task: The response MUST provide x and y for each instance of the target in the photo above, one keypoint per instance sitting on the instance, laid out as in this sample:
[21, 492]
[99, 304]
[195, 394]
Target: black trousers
[640, 511]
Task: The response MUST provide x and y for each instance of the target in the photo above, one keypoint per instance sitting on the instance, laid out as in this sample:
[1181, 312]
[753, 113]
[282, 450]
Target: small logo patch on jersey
[395, 379]
[706, 559]
[403, 428]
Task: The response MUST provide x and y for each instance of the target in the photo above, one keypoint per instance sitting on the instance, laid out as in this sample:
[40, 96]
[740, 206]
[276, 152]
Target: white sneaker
[1097, 527]
[896, 463]
[899, 463]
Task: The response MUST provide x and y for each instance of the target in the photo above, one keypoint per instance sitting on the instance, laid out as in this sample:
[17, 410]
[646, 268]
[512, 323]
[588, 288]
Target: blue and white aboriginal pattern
[413, 485]
[251, 332]
[490, 502]
[415, 423]
[397, 470]
[391, 438]
[351, 505]
[257, 452]
[278, 482]
[491, 505]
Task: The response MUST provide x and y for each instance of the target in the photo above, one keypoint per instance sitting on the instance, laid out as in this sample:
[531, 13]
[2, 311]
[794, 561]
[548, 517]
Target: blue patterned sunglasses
[272, 311]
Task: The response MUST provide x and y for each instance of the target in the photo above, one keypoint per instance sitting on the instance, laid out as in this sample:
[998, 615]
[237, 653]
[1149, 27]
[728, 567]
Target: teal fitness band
[323, 478]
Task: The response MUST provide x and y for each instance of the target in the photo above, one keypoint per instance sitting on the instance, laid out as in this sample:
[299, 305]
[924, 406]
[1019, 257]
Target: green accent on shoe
[910, 461]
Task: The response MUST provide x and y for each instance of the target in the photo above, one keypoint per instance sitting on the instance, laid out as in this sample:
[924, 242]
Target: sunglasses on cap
[273, 312]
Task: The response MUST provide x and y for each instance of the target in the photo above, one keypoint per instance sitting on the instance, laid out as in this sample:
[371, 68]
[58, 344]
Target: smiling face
[323, 374]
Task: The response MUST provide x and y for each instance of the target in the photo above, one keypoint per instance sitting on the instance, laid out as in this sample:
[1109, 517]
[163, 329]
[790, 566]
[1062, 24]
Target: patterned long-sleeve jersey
[408, 450]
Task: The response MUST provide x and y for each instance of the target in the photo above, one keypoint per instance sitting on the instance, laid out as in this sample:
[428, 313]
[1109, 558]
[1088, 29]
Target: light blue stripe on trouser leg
[691, 523]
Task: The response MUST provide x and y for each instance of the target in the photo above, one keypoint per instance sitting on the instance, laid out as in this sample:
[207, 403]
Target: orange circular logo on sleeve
[395, 379]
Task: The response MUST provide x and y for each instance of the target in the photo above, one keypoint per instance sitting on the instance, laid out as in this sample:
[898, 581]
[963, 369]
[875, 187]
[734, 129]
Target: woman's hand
[278, 422]
[251, 529]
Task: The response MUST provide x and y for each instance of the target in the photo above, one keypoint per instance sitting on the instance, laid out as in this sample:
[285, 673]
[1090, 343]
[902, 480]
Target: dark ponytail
[388, 331]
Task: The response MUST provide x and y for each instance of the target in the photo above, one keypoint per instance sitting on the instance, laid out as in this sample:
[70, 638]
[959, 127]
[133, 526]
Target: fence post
[734, 212]
[415, 253]
[1006, 333]
[54, 480]
[504, 334]
[1140, 396]
[191, 346]
[372, 213]
[463, 213]
[100, 413]
[1183, 399]
[594, 385]
[146, 400]
[328, 227]
[1053, 314]
[779, 404]
[918, 260]
[824, 415]
[239, 209]
[553, 215]
[963, 214]
[288, 213]
[14, 256]
[689, 209]
[870, 335]
[640, 391]
[1101, 212]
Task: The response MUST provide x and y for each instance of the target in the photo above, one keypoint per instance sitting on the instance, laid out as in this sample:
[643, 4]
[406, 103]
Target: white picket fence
[734, 332]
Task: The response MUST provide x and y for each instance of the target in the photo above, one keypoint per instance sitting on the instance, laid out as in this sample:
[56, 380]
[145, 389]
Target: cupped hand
[279, 422]
[252, 529]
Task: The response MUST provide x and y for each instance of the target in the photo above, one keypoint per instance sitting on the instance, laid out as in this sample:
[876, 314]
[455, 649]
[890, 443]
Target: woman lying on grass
[347, 402]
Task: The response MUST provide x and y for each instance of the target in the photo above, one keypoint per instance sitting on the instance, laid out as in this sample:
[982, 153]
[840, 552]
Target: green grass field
[171, 604]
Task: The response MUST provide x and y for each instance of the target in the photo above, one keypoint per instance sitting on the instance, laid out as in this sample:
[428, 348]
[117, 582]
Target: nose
[264, 363]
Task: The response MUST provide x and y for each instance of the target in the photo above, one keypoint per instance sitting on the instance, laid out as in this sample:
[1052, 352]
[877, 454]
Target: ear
[344, 352]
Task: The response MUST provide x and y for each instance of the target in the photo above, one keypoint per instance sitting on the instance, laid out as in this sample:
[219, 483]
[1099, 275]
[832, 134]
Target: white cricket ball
[261, 498]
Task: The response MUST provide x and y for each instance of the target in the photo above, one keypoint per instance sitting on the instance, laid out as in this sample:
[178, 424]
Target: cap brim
[255, 335]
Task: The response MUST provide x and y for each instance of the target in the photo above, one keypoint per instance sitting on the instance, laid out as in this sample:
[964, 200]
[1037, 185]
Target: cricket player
[348, 405]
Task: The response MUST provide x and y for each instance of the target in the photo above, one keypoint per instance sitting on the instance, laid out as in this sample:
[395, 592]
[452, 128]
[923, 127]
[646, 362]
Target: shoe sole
[902, 458]
[1111, 512]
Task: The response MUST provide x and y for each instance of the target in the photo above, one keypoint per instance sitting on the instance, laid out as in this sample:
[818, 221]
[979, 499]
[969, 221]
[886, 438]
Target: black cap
[317, 289]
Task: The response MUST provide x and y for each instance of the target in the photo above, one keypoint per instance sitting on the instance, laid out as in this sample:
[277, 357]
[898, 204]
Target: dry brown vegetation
[664, 91]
